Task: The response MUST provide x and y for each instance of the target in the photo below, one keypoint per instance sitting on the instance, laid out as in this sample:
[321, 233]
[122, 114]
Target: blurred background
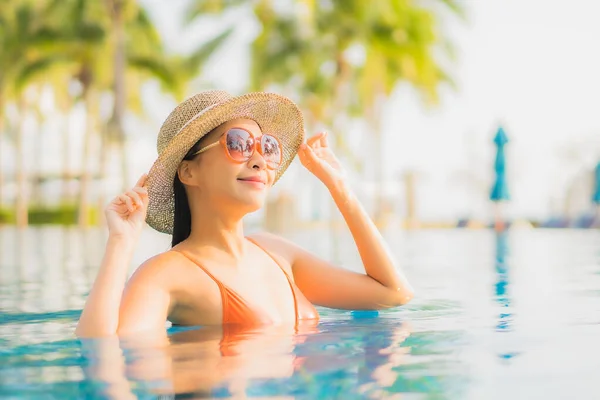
[446, 113]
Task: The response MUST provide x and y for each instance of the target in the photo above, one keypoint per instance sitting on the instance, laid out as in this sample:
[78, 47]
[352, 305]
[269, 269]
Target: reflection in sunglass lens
[270, 150]
[240, 144]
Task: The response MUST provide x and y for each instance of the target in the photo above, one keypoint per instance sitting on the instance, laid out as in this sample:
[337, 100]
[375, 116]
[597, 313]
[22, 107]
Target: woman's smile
[254, 181]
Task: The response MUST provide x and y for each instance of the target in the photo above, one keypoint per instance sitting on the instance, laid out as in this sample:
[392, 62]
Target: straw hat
[199, 115]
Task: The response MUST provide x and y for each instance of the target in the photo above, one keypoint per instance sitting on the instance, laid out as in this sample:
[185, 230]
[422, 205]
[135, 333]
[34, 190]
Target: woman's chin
[253, 202]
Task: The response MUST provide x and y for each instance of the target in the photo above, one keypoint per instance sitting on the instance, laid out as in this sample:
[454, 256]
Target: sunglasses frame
[257, 147]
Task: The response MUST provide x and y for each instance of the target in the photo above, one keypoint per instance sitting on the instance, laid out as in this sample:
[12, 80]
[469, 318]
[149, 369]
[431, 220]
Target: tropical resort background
[85, 85]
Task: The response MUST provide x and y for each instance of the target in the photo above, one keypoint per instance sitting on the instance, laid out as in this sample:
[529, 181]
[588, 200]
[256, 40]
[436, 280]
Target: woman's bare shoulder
[162, 267]
[275, 244]
[173, 272]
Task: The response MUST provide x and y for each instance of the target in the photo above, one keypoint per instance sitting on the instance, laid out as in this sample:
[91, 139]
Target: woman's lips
[254, 182]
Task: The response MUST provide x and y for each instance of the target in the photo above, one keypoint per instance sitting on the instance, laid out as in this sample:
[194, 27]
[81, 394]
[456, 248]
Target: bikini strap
[222, 288]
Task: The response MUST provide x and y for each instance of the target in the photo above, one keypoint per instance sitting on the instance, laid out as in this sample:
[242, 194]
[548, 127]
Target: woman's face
[218, 179]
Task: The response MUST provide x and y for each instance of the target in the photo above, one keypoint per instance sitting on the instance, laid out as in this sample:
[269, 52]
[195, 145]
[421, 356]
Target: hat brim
[275, 114]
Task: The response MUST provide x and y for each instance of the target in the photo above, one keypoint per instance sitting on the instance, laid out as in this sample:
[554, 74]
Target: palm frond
[154, 67]
[33, 69]
[195, 60]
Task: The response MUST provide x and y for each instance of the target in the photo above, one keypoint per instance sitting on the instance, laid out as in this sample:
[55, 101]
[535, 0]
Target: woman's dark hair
[182, 218]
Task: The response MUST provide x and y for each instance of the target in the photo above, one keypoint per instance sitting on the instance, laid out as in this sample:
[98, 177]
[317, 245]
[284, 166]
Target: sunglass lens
[240, 144]
[270, 150]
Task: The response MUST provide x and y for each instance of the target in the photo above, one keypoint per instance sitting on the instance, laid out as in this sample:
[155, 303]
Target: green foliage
[341, 55]
[340, 59]
[25, 35]
[6, 216]
[64, 214]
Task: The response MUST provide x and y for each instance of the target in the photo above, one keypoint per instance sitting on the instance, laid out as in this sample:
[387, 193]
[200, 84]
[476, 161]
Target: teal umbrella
[500, 188]
[499, 191]
[596, 195]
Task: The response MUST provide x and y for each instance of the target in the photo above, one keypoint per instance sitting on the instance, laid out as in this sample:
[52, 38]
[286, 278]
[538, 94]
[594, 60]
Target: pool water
[513, 315]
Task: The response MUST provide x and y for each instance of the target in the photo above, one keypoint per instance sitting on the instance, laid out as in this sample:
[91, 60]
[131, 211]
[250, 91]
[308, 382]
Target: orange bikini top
[236, 311]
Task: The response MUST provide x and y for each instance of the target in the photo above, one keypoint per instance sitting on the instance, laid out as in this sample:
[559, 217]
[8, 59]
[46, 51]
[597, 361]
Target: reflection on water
[47, 269]
[502, 282]
[502, 289]
[497, 315]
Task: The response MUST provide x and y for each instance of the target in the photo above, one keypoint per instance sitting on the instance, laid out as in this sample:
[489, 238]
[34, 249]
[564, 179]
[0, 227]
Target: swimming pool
[513, 316]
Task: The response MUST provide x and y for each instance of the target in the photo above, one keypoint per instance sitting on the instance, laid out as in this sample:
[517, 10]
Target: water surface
[513, 315]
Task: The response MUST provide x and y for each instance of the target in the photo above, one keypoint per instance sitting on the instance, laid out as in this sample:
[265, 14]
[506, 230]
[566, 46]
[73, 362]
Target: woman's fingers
[142, 181]
[143, 192]
[137, 199]
[132, 199]
[307, 155]
[315, 140]
[127, 201]
[323, 140]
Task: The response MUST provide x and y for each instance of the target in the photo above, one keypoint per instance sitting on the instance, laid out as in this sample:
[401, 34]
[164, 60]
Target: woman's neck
[214, 232]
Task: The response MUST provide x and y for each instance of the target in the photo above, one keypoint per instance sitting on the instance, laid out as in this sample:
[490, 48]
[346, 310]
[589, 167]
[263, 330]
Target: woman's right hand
[126, 214]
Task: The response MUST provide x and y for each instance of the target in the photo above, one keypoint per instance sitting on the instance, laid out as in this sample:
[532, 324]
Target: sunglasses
[241, 144]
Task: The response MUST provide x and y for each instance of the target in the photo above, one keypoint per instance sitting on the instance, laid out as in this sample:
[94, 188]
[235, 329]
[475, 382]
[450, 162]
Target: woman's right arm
[103, 309]
[100, 315]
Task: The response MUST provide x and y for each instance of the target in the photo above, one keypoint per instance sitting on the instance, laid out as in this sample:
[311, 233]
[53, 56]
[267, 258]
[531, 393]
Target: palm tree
[136, 48]
[345, 58]
[137, 54]
[106, 46]
[112, 47]
[83, 48]
[24, 39]
[131, 37]
[64, 103]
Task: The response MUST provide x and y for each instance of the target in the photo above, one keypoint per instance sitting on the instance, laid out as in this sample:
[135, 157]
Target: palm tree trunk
[339, 104]
[85, 178]
[22, 195]
[411, 221]
[66, 158]
[374, 117]
[114, 132]
[36, 189]
[103, 168]
[2, 136]
[119, 88]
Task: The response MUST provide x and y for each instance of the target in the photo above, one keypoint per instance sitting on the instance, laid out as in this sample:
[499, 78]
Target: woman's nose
[257, 161]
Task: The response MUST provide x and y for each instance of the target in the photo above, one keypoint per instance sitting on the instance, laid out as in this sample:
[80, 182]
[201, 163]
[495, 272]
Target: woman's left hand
[317, 157]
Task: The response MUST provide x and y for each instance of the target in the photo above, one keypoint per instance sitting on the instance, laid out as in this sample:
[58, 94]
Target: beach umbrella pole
[499, 225]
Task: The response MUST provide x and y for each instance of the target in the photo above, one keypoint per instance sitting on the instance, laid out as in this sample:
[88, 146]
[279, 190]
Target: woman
[201, 186]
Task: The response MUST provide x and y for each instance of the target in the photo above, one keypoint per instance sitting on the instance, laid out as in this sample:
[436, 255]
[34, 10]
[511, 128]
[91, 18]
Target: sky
[529, 65]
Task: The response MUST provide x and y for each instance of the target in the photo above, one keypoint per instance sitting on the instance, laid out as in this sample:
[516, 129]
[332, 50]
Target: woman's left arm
[384, 285]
